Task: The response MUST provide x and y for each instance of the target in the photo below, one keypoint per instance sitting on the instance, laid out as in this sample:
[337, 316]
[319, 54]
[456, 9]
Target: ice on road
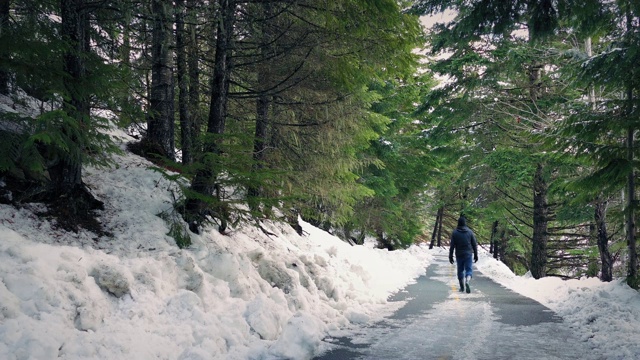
[442, 323]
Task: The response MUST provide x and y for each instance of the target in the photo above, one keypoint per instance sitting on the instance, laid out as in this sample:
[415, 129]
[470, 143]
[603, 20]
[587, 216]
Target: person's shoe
[461, 289]
[467, 288]
[467, 280]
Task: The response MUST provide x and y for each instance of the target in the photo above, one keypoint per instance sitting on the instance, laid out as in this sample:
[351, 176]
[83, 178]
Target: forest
[350, 114]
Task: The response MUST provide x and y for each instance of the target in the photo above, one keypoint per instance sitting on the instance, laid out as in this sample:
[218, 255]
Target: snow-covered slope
[136, 295]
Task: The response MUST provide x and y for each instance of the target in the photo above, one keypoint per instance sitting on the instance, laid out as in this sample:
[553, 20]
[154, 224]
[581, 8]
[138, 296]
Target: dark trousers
[465, 266]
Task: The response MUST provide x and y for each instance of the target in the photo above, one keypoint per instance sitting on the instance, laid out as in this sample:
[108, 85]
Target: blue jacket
[464, 242]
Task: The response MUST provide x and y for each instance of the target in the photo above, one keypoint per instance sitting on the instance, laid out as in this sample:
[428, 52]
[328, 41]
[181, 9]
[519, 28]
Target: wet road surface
[438, 322]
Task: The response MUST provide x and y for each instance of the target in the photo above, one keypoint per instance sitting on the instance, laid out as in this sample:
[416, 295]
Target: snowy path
[438, 322]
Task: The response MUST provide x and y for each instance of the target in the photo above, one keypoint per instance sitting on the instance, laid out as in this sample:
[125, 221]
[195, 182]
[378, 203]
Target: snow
[244, 295]
[134, 294]
[606, 315]
[24, 105]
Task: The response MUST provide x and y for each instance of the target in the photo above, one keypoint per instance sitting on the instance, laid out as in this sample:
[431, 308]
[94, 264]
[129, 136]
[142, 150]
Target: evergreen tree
[500, 92]
[603, 130]
[205, 184]
[159, 138]
[403, 167]
[296, 80]
[57, 54]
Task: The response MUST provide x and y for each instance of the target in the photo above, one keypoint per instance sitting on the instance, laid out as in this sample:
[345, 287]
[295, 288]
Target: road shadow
[420, 297]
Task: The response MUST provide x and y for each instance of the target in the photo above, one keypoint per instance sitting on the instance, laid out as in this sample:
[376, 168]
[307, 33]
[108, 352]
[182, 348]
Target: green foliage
[35, 52]
[30, 146]
[504, 93]
[313, 66]
[402, 168]
[509, 172]
[177, 228]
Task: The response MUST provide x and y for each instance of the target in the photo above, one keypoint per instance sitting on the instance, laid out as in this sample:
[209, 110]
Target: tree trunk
[262, 126]
[5, 6]
[435, 227]
[535, 71]
[632, 270]
[540, 219]
[221, 71]
[494, 232]
[194, 72]
[383, 243]
[630, 226]
[160, 118]
[262, 105]
[603, 241]
[186, 125]
[124, 51]
[66, 194]
[593, 262]
[259, 146]
[592, 89]
[204, 181]
[498, 247]
[440, 228]
[66, 175]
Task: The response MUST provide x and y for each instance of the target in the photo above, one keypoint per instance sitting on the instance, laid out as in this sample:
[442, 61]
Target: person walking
[464, 243]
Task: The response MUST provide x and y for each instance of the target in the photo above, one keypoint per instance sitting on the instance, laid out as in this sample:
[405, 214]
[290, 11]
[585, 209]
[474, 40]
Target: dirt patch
[78, 209]
[70, 211]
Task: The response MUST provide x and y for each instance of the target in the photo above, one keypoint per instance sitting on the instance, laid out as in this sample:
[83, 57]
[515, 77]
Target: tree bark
[632, 269]
[435, 227]
[540, 221]
[439, 243]
[263, 102]
[124, 52]
[5, 6]
[186, 125]
[221, 71]
[259, 146]
[494, 233]
[204, 181]
[606, 260]
[160, 118]
[194, 71]
[66, 194]
[592, 89]
[630, 226]
[66, 175]
[498, 247]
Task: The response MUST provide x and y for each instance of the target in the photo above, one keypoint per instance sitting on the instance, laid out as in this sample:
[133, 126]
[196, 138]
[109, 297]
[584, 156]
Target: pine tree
[54, 58]
[204, 183]
[159, 138]
[500, 93]
[402, 169]
[186, 120]
[294, 77]
[603, 131]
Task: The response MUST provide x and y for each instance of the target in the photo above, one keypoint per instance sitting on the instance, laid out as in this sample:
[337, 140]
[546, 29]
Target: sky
[243, 295]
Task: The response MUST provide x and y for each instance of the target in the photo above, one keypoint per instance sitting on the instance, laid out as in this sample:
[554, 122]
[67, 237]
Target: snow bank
[606, 315]
[136, 295]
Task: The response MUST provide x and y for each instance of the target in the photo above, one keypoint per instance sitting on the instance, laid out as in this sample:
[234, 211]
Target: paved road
[438, 322]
